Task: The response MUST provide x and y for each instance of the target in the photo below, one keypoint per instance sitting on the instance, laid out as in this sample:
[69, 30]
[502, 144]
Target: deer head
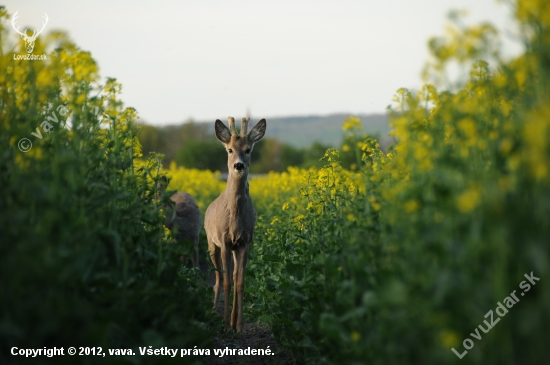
[29, 40]
[239, 146]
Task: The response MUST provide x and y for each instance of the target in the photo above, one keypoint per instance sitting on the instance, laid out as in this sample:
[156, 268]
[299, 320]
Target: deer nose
[239, 166]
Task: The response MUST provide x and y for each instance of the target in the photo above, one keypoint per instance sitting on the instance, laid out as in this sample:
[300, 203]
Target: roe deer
[230, 219]
[186, 223]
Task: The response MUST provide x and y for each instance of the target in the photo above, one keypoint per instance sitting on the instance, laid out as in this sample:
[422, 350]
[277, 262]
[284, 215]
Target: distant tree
[202, 154]
[169, 140]
[267, 156]
[291, 156]
[277, 156]
[173, 137]
[193, 130]
[149, 137]
[313, 154]
[191, 145]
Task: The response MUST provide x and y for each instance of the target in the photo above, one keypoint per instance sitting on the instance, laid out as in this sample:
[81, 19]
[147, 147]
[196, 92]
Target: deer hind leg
[215, 256]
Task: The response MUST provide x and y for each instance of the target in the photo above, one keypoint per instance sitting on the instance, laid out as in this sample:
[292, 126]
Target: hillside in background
[303, 131]
[296, 141]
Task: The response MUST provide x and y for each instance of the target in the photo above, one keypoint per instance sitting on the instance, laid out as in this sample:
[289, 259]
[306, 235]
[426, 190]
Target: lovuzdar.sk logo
[29, 40]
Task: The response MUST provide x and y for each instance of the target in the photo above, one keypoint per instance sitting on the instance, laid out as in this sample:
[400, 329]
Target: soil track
[254, 335]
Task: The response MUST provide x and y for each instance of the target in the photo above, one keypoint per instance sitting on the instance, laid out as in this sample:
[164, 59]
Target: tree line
[193, 145]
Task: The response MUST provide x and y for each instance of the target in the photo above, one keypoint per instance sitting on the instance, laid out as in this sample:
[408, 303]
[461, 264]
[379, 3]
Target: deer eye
[247, 150]
[230, 150]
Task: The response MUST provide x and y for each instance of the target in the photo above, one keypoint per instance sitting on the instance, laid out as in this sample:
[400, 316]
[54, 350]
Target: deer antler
[13, 19]
[231, 121]
[244, 126]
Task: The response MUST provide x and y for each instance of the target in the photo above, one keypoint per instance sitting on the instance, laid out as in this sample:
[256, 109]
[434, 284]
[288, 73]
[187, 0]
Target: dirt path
[254, 336]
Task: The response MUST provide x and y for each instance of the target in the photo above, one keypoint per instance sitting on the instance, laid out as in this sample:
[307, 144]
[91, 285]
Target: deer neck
[237, 190]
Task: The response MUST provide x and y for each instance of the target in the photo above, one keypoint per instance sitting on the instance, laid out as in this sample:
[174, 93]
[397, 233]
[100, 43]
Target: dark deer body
[230, 219]
[186, 221]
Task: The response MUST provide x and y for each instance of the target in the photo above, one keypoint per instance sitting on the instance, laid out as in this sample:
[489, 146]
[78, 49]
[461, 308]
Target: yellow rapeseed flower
[352, 123]
[468, 127]
[448, 339]
[411, 206]
[536, 137]
[506, 146]
[468, 200]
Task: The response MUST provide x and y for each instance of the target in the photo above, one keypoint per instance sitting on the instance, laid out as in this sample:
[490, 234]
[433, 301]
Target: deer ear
[222, 132]
[257, 132]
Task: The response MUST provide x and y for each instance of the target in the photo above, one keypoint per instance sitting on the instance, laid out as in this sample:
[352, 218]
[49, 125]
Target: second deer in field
[230, 219]
[186, 221]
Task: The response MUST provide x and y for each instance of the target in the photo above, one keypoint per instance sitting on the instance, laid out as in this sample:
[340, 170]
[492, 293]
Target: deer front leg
[226, 257]
[237, 318]
[234, 311]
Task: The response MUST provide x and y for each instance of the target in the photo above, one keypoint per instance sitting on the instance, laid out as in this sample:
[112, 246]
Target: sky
[209, 59]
